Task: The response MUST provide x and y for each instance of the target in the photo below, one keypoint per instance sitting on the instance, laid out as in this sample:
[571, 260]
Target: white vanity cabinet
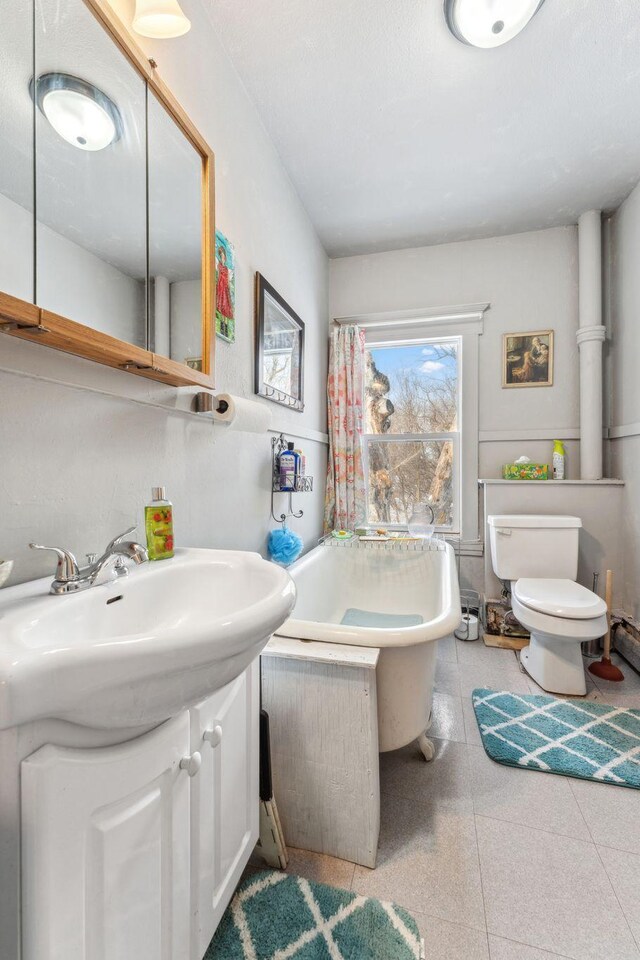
[134, 850]
[224, 799]
[105, 850]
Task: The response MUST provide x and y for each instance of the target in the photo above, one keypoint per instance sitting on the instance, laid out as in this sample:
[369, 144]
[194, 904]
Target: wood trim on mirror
[208, 268]
[28, 321]
[13, 310]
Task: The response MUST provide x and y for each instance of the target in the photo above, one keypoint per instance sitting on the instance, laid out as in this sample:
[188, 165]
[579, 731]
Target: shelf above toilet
[554, 483]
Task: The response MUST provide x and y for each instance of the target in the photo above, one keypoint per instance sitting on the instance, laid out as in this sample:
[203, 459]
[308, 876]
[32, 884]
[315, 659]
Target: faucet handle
[67, 568]
[116, 540]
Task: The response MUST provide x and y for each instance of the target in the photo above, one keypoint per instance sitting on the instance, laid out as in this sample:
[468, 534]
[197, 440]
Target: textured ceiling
[395, 134]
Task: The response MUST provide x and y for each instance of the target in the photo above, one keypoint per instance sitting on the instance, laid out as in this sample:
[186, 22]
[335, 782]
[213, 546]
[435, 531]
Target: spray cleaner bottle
[558, 460]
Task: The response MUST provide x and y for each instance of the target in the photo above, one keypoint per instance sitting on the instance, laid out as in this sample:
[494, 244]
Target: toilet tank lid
[533, 520]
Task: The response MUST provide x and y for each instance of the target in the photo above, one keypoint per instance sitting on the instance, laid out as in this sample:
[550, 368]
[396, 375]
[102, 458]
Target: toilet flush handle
[504, 533]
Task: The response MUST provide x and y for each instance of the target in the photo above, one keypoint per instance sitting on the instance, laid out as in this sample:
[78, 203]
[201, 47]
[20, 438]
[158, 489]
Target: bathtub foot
[427, 747]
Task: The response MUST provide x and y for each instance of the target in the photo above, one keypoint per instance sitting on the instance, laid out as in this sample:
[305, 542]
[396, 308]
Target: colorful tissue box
[525, 471]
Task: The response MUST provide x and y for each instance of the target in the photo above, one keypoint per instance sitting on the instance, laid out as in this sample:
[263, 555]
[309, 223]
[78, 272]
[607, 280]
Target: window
[411, 447]
[398, 339]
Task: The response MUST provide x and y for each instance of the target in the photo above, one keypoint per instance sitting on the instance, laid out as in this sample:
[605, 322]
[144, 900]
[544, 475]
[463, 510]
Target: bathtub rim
[437, 628]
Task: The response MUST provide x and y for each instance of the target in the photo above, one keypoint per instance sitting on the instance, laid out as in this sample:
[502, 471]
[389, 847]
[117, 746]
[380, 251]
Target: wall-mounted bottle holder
[302, 484]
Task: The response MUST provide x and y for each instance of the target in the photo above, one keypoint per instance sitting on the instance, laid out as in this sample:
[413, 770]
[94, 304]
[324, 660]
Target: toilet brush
[604, 668]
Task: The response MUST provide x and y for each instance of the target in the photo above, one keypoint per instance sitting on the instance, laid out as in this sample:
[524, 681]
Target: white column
[590, 336]
[162, 316]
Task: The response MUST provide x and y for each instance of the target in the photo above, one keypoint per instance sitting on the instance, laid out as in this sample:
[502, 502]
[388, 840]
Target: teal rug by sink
[275, 916]
[575, 738]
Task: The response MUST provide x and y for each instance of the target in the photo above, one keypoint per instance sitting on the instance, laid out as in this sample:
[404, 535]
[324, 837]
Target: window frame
[418, 324]
[453, 435]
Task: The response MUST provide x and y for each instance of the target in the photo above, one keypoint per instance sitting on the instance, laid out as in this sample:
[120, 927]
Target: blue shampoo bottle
[289, 468]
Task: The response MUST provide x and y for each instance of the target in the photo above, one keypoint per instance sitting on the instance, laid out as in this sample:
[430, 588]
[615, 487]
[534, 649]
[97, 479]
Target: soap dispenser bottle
[158, 523]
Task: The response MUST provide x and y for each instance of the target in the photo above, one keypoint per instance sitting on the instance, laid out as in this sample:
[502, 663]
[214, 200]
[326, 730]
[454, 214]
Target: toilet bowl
[560, 615]
[538, 556]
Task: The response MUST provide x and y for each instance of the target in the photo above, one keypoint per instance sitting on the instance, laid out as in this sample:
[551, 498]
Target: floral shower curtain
[345, 496]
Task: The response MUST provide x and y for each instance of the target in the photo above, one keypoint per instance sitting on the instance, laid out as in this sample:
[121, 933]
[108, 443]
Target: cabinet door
[225, 799]
[105, 850]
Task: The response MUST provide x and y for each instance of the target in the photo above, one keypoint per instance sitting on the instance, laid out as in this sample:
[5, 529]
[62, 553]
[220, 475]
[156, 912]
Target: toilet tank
[534, 546]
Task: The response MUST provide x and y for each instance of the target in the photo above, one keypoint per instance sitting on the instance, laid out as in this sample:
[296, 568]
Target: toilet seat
[562, 628]
[559, 598]
[554, 657]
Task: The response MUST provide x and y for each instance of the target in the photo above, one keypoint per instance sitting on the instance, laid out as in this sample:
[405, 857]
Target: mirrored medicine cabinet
[106, 197]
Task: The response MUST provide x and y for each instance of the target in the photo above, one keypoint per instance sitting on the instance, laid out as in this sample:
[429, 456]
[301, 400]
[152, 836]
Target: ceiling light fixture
[489, 23]
[79, 112]
[160, 19]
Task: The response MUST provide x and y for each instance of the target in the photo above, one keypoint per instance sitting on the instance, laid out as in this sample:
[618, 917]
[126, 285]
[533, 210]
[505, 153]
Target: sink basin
[139, 649]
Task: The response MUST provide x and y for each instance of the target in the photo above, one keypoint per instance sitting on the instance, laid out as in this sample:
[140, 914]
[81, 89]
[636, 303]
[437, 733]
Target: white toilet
[538, 555]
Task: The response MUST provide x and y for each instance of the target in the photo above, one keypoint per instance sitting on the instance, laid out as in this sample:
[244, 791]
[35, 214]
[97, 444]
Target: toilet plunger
[604, 668]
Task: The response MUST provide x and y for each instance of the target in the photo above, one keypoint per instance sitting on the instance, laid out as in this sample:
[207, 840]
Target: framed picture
[194, 363]
[279, 371]
[225, 289]
[527, 359]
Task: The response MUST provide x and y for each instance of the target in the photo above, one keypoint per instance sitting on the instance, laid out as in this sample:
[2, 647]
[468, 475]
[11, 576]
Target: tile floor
[497, 863]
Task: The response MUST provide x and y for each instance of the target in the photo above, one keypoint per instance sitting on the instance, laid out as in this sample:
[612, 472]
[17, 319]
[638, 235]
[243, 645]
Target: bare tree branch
[408, 472]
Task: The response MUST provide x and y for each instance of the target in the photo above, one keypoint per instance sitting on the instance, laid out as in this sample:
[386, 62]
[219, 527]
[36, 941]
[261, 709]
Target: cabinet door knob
[214, 736]
[191, 764]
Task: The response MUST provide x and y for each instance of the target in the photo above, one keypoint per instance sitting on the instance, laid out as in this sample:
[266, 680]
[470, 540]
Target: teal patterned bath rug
[276, 916]
[575, 738]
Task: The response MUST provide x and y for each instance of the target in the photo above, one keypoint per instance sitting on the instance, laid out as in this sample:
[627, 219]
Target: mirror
[279, 349]
[16, 153]
[90, 174]
[175, 240]
[106, 198]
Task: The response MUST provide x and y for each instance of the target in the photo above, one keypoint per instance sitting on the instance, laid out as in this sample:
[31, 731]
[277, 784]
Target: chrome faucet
[70, 577]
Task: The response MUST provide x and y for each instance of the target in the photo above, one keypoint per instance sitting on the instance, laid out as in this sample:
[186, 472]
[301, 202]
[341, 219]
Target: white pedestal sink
[136, 650]
[124, 709]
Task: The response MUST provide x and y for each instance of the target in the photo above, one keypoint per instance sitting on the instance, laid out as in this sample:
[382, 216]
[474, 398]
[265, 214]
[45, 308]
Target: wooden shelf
[29, 322]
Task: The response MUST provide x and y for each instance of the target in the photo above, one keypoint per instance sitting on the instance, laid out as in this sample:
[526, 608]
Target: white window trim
[467, 323]
[459, 315]
[454, 529]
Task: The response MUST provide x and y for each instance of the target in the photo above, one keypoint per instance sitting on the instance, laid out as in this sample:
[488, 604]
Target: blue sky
[420, 358]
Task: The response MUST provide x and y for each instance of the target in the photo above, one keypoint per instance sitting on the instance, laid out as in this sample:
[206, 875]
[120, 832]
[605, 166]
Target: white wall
[71, 281]
[77, 284]
[77, 465]
[530, 280]
[625, 383]
[16, 249]
[186, 328]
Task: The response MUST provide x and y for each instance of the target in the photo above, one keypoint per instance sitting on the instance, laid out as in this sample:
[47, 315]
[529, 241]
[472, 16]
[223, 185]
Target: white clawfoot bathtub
[399, 598]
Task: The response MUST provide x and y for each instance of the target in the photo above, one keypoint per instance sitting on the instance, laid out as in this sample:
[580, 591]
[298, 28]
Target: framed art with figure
[225, 289]
[527, 359]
